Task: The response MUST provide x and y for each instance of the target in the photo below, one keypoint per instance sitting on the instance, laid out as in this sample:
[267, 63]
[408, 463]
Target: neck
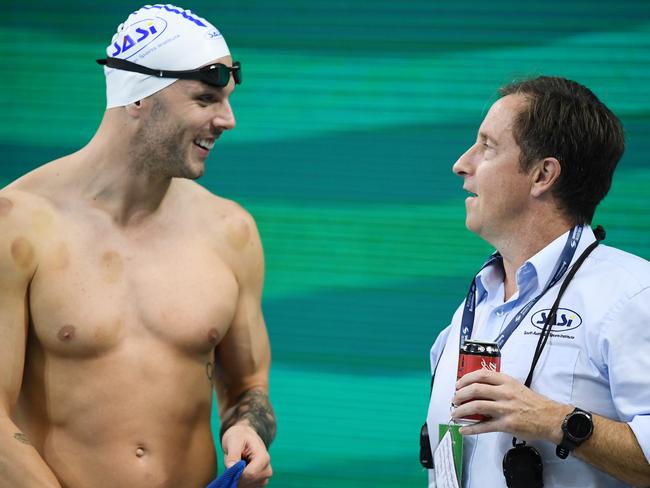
[112, 180]
[520, 246]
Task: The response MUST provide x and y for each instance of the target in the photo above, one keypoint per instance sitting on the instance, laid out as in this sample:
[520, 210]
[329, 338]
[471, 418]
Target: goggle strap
[123, 64]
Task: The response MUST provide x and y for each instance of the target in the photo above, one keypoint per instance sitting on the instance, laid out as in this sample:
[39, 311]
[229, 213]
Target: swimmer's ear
[133, 109]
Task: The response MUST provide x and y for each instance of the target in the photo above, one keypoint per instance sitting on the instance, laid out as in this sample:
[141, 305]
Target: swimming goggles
[214, 74]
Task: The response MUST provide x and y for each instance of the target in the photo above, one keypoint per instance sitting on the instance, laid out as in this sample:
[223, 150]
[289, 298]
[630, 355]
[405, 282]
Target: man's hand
[517, 410]
[511, 406]
[242, 442]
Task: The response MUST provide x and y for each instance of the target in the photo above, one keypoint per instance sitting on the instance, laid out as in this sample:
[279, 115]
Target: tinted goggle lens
[218, 74]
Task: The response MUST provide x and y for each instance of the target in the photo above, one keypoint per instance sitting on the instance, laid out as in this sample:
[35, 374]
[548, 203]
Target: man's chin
[193, 170]
[475, 228]
[470, 225]
[197, 174]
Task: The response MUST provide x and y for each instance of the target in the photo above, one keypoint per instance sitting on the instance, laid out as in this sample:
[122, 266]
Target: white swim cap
[161, 37]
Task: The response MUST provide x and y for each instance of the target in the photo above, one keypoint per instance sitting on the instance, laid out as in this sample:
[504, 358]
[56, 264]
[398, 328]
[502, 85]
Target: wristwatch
[577, 428]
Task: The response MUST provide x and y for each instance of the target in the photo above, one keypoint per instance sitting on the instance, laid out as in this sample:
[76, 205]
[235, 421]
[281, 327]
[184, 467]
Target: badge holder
[448, 457]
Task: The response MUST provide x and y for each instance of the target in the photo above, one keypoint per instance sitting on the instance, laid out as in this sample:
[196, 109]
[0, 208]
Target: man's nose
[225, 119]
[463, 165]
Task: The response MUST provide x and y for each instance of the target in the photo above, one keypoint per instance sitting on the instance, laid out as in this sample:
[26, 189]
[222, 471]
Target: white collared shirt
[597, 357]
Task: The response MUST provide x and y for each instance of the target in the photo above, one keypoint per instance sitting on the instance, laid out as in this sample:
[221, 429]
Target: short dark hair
[565, 120]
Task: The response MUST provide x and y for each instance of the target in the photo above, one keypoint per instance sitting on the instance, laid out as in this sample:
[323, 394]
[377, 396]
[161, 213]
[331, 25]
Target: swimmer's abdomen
[144, 426]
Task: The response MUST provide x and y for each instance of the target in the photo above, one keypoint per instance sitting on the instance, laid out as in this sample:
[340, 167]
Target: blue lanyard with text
[467, 321]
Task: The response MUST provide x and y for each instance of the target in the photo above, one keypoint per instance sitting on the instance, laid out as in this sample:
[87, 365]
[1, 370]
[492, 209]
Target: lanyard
[467, 321]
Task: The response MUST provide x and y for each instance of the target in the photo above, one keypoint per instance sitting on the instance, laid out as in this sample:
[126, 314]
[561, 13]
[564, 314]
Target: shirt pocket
[554, 373]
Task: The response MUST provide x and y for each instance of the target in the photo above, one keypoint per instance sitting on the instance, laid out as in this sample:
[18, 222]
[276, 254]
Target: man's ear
[545, 174]
[134, 109]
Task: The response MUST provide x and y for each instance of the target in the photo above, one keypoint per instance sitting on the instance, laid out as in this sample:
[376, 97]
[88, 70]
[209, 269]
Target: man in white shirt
[542, 161]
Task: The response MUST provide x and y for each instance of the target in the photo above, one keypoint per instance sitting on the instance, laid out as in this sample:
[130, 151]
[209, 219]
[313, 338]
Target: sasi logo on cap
[138, 35]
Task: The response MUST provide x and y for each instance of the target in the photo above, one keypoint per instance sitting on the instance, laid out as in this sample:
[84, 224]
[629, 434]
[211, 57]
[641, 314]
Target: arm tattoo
[254, 407]
[19, 436]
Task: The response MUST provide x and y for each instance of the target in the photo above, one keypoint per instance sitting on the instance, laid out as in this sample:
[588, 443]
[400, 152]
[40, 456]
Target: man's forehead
[507, 106]
[501, 115]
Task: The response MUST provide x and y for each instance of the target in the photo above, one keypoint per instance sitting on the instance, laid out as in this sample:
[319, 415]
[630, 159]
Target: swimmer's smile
[204, 144]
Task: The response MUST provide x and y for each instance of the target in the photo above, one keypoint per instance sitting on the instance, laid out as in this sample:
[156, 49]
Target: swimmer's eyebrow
[196, 90]
[206, 96]
[199, 90]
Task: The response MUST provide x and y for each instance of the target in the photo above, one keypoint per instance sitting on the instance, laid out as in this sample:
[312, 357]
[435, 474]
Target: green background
[349, 119]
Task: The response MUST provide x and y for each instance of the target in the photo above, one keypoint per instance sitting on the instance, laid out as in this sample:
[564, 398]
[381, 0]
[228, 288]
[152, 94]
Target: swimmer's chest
[95, 293]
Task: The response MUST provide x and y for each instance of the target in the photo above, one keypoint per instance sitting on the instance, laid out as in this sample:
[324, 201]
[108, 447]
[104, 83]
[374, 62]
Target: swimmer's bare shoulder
[231, 228]
[30, 215]
[22, 217]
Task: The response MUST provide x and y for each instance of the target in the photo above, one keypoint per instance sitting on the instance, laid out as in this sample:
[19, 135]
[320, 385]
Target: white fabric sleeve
[438, 347]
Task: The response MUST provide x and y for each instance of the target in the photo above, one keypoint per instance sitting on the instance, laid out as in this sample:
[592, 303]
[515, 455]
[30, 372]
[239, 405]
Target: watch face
[579, 425]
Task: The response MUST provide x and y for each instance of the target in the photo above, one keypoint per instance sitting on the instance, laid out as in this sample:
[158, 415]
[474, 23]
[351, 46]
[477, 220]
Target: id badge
[448, 457]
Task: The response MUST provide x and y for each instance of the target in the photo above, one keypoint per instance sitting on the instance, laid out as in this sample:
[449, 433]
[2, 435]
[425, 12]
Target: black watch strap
[572, 439]
[564, 448]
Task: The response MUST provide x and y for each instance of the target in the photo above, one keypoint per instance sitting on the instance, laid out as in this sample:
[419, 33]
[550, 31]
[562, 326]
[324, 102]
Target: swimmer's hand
[242, 442]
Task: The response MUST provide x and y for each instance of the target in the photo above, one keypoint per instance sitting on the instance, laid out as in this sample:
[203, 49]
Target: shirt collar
[544, 261]
[488, 281]
[533, 275]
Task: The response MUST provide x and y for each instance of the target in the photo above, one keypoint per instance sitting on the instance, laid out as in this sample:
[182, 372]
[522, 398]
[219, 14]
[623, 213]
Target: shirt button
[499, 313]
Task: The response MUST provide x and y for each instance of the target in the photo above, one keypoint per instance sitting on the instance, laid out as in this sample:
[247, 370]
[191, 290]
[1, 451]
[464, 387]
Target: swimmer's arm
[253, 409]
[243, 357]
[21, 466]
